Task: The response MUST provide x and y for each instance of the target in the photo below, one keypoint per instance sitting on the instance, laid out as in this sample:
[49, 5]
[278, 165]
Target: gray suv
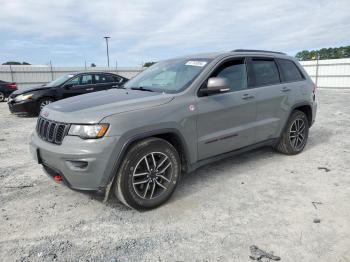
[174, 117]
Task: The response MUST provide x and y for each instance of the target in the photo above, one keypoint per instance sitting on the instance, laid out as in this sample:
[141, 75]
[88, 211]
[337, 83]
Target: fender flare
[135, 138]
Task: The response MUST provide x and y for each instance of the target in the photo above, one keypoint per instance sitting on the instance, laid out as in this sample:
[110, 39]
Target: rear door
[272, 97]
[225, 121]
[103, 81]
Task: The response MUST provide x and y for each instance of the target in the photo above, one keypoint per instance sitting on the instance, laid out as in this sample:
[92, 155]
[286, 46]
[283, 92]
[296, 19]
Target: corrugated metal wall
[333, 73]
[37, 75]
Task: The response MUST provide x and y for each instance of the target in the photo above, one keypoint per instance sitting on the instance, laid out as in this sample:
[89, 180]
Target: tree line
[324, 53]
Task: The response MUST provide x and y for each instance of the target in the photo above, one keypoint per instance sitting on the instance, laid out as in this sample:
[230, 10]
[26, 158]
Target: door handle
[285, 89]
[247, 96]
[89, 89]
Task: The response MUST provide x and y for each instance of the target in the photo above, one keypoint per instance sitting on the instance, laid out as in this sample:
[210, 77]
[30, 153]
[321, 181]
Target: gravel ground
[260, 198]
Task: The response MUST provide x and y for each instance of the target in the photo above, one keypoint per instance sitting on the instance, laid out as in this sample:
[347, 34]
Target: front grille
[51, 131]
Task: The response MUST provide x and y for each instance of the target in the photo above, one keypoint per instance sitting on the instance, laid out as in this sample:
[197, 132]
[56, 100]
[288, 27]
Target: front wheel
[148, 174]
[295, 134]
[44, 102]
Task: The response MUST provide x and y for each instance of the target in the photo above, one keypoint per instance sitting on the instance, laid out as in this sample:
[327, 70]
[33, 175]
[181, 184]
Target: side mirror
[216, 85]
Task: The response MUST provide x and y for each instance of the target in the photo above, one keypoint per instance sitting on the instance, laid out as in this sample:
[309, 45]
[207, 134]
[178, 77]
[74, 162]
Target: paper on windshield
[196, 63]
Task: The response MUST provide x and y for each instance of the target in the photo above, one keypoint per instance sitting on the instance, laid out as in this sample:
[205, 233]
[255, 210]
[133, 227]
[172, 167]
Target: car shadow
[208, 173]
[25, 116]
[318, 136]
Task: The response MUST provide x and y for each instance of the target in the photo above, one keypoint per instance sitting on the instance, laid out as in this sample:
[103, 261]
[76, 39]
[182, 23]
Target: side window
[101, 78]
[86, 80]
[117, 79]
[74, 81]
[262, 72]
[289, 71]
[235, 72]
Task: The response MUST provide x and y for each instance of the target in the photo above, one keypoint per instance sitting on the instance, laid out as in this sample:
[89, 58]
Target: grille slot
[51, 131]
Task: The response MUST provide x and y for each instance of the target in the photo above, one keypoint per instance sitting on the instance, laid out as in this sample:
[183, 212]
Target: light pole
[107, 37]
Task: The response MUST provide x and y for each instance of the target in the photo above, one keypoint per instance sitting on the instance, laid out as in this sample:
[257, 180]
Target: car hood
[29, 89]
[93, 107]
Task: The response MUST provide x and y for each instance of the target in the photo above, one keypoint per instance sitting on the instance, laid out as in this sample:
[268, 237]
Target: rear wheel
[2, 97]
[295, 134]
[148, 174]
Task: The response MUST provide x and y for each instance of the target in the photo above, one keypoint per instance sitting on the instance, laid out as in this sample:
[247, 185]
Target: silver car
[137, 141]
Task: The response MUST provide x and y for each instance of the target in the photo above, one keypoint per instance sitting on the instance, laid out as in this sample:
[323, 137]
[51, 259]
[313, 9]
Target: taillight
[12, 85]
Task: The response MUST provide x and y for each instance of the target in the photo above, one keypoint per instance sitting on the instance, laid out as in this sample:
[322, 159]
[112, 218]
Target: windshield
[171, 76]
[60, 80]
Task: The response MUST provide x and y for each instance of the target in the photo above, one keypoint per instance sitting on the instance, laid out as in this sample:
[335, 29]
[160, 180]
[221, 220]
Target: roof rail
[257, 51]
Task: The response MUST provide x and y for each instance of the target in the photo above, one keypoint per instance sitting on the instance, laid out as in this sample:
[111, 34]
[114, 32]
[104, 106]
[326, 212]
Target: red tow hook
[58, 178]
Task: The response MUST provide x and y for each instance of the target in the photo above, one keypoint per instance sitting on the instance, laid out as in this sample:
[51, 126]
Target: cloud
[71, 31]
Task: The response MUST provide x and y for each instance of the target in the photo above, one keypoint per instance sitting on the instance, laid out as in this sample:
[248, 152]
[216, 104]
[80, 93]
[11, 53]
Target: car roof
[237, 52]
[93, 72]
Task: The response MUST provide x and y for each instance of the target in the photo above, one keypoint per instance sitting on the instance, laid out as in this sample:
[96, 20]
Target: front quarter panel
[178, 116]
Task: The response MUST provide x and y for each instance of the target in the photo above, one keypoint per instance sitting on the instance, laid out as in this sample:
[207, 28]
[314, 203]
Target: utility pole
[317, 66]
[107, 37]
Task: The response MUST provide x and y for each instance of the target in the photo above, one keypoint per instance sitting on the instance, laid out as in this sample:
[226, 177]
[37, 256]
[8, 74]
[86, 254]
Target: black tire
[2, 97]
[130, 187]
[44, 101]
[295, 134]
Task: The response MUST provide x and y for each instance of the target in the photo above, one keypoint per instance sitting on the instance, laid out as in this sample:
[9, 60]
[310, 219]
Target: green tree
[325, 53]
[93, 65]
[15, 63]
[148, 64]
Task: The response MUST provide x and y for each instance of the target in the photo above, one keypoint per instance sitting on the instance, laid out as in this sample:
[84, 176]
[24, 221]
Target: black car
[32, 100]
[6, 89]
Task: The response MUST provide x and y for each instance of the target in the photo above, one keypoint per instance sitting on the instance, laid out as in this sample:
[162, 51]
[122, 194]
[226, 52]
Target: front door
[226, 121]
[79, 85]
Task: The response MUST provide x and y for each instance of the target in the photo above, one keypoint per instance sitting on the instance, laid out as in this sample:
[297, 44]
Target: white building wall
[333, 73]
[37, 75]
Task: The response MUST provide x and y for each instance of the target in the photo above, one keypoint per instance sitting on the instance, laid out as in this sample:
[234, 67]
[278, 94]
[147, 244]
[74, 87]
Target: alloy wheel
[45, 103]
[297, 134]
[152, 175]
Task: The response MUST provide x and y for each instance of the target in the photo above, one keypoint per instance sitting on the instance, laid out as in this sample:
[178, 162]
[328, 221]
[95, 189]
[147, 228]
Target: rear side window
[101, 78]
[289, 71]
[118, 79]
[262, 72]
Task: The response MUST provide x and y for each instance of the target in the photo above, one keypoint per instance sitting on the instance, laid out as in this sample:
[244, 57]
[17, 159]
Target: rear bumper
[85, 165]
[25, 107]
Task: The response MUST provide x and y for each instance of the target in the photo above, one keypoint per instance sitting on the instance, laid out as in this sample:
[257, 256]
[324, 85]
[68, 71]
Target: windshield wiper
[140, 88]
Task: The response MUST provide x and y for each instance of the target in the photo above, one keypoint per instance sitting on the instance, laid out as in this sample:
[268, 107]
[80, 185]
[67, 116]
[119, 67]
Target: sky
[68, 32]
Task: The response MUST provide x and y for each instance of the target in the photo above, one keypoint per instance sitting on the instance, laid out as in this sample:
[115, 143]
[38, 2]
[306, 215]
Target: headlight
[88, 131]
[23, 97]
